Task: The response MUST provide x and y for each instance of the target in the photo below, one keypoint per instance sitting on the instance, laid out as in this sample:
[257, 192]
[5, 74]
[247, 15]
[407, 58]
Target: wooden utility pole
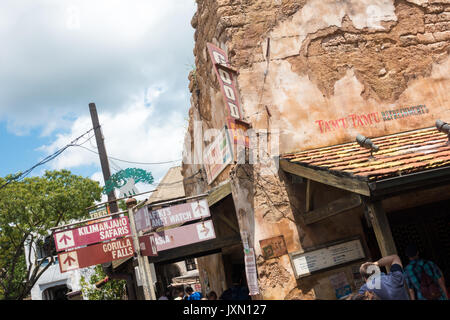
[102, 154]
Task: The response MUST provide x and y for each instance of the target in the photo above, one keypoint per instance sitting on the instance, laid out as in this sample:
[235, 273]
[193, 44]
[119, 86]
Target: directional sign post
[93, 233]
[185, 235]
[95, 254]
[165, 217]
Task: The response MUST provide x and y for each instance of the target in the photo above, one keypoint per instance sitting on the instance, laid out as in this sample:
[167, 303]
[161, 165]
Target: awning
[405, 159]
[191, 277]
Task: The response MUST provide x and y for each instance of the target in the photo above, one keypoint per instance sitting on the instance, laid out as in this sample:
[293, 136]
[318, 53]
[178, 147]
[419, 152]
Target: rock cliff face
[320, 71]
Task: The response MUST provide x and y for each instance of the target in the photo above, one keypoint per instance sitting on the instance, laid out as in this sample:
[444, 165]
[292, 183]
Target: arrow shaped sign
[69, 260]
[65, 238]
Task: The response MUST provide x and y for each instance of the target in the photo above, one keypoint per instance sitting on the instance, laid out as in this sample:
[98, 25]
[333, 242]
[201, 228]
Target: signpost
[93, 233]
[95, 254]
[165, 217]
[185, 235]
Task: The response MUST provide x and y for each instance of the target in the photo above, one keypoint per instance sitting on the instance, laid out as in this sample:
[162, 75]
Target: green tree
[111, 290]
[28, 210]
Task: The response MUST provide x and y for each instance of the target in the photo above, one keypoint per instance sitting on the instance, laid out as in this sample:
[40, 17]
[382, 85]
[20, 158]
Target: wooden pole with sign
[144, 270]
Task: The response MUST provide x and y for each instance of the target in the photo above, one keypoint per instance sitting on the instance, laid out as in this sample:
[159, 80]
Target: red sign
[147, 245]
[185, 235]
[227, 80]
[169, 216]
[93, 233]
[95, 254]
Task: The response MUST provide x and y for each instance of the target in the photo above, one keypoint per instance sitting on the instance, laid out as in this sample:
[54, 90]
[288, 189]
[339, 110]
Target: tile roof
[399, 154]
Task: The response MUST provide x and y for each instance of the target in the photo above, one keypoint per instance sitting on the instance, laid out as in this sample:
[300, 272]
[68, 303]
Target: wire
[21, 175]
[127, 161]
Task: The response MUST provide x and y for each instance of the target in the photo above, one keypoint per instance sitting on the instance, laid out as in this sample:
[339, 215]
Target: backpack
[428, 287]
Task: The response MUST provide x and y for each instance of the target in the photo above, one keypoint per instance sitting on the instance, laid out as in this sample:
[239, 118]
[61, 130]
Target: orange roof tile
[399, 154]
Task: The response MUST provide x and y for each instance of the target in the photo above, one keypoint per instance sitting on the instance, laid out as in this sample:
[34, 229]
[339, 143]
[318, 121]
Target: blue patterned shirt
[414, 269]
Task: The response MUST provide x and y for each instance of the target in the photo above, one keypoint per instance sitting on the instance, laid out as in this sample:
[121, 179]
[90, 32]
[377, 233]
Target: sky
[130, 57]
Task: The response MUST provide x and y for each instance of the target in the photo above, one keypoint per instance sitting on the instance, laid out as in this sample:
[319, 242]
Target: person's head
[367, 269]
[367, 295]
[189, 291]
[412, 252]
[212, 295]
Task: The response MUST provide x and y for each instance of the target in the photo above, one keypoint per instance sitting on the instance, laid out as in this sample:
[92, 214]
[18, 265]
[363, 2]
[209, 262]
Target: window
[190, 264]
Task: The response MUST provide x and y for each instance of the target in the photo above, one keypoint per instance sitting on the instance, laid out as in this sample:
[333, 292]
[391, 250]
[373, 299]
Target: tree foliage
[28, 209]
[111, 290]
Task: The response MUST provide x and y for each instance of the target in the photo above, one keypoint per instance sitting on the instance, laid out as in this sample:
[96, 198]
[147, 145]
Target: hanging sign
[250, 271]
[273, 247]
[92, 233]
[182, 236]
[178, 214]
[307, 262]
[227, 80]
[218, 155]
[95, 254]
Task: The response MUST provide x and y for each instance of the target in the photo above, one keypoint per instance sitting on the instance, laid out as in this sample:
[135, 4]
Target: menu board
[307, 262]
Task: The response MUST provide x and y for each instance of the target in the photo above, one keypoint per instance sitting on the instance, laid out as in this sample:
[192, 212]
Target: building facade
[302, 79]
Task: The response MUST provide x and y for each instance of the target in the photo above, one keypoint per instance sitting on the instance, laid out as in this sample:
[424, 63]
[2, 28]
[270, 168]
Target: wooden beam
[308, 205]
[195, 249]
[381, 228]
[353, 185]
[335, 207]
[219, 193]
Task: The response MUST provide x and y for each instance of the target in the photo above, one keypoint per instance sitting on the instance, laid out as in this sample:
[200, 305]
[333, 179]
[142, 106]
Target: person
[179, 295]
[389, 286]
[237, 290]
[212, 295]
[191, 295]
[424, 278]
[166, 296]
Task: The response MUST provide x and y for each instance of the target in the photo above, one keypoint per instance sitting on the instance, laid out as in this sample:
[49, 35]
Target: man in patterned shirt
[414, 272]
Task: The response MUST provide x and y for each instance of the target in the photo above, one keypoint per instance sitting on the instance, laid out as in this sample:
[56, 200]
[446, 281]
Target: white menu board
[308, 262]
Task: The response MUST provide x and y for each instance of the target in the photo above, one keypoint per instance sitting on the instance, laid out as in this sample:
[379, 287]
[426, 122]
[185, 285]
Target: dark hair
[189, 290]
[212, 294]
[364, 272]
[411, 250]
[367, 295]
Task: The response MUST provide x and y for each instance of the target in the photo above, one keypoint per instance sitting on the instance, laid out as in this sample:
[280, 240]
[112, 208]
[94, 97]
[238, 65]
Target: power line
[127, 161]
[19, 176]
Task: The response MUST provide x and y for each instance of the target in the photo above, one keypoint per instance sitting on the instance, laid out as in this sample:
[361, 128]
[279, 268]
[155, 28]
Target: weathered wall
[332, 69]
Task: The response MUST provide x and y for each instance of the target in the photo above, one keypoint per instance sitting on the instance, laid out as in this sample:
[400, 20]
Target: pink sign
[177, 214]
[185, 235]
[92, 233]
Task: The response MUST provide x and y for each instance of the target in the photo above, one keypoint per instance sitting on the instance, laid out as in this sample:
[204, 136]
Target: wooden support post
[308, 196]
[381, 228]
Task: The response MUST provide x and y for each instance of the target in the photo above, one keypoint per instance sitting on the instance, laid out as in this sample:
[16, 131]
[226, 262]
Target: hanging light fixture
[367, 143]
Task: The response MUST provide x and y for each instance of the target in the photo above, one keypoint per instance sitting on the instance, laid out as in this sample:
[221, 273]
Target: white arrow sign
[69, 261]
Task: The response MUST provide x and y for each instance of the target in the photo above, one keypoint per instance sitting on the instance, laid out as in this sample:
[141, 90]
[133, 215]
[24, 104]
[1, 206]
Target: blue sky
[131, 58]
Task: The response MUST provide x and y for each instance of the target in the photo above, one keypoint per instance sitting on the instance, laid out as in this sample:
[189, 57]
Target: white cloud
[58, 56]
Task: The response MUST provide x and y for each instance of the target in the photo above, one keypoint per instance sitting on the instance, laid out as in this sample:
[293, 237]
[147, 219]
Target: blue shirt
[195, 296]
[389, 286]
[414, 270]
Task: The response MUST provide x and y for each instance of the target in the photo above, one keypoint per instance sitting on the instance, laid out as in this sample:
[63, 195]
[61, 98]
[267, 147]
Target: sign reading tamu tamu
[92, 233]
[177, 214]
[95, 254]
[227, 80]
